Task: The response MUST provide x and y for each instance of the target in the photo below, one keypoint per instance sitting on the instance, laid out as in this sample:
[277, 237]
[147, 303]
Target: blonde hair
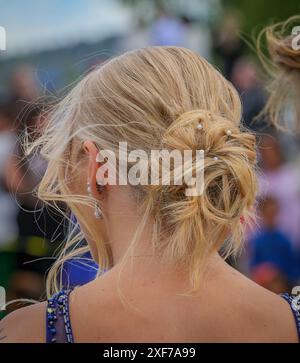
[154, 98]
[282, 62]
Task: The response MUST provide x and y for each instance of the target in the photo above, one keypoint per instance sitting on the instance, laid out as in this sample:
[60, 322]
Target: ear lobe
[92, 152]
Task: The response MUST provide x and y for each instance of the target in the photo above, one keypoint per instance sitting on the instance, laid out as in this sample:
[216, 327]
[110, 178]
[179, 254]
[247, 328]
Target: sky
[38, 24]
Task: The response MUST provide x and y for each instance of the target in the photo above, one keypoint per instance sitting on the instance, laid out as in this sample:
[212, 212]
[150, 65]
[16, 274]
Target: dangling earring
[97, 213]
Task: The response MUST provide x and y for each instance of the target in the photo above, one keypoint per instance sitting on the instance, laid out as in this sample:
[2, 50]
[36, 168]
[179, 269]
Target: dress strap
[58, 322]
[294, 303]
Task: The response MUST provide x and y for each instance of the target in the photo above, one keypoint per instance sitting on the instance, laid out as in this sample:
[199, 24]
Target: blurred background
[51, 43]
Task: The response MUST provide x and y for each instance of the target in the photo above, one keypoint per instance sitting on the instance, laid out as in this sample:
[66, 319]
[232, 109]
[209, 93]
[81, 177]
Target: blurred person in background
[269, 246]
[278, 179]
[37, 224]
[270, 277]
[32, 250]
[281, 180]
[167, 28]
[245, 77]
[24, 84]
[197, 36]
[282, 62]
[228, 44]
[8, 207]
[137, 37]
[23, 93]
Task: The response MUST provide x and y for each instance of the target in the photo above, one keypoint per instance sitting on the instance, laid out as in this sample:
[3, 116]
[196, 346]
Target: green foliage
[256, 14]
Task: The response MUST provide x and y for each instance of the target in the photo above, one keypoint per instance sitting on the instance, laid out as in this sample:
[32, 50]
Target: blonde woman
[281, 58]
[167, 280]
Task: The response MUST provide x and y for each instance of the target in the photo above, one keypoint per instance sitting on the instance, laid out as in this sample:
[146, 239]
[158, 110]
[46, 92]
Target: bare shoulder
[280, 317]
[26, 325]
[266, 311]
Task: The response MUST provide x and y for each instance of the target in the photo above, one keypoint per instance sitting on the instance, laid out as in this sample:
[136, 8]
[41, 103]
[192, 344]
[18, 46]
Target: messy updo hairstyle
[154, 98]
[278, 49]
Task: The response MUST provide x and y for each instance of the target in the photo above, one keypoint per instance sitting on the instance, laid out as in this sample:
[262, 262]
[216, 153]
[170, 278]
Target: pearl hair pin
[216, 158]
[200, 127]
[228, 132]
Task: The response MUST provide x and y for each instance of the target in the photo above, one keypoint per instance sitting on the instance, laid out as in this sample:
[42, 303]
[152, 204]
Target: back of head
[283, 62]
[155, 98]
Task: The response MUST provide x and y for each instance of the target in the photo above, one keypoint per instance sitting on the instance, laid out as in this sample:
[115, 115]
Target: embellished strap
[294, 303]
[58, 323]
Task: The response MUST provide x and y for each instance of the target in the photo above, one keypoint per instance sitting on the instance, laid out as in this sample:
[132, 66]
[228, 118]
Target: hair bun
[203, 129]
[229, 160]
[281, 59]
[186, 130]
[285, 57]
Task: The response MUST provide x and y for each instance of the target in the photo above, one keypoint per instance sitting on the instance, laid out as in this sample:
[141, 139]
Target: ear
[93, 166]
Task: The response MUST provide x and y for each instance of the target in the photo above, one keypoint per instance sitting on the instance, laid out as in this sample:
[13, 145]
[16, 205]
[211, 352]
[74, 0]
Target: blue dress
[58, 321]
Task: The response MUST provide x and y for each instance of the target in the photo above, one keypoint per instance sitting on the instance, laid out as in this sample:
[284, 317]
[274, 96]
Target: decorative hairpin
[216, 158]
[200, 126]
[228, 132]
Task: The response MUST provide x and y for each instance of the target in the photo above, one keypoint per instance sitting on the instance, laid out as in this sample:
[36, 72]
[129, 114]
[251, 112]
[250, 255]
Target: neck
[134, 254]
[139, 274]
[122, 220]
